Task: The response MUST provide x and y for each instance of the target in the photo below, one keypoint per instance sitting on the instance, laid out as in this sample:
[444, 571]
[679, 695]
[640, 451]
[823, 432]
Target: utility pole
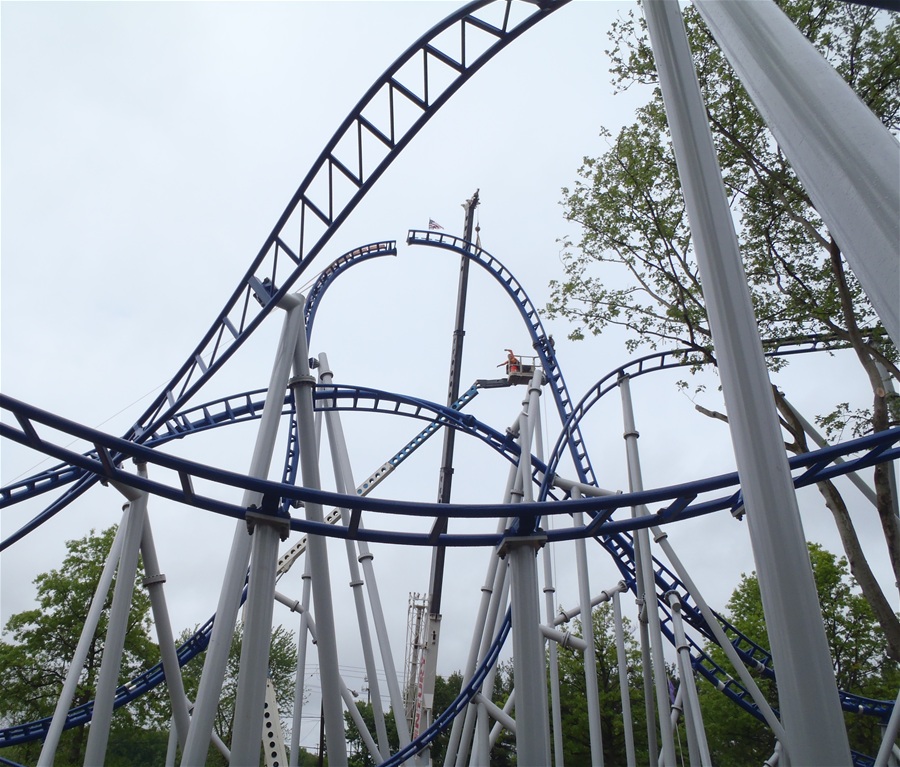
[433, 633]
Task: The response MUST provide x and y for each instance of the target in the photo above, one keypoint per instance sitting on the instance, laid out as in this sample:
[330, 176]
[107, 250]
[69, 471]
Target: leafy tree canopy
[38, 644]
[860, 662]
[634, 264]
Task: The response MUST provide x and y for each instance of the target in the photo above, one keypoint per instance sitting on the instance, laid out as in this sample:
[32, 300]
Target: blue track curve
[360, 151]
[268, 280]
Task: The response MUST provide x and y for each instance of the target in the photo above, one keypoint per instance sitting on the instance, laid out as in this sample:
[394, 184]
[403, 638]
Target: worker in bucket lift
[512, 362]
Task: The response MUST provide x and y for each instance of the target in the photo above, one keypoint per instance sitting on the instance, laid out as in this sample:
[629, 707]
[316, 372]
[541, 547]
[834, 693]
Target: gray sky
[147, 151]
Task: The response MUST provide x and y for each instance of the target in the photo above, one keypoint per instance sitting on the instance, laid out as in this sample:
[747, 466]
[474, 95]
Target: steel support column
[108, 679]
[239, 557]
[317, 551]
[529, 667]
[808, 696]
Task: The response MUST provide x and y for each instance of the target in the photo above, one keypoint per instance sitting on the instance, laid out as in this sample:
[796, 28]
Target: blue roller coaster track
[341, 176]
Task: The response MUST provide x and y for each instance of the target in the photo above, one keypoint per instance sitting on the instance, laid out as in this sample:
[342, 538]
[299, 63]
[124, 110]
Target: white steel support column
[304, 384]
[693, 719]
[299, 684]
[645, 574]
[890, 736]
[590, 653]
[51, 741]
[529, 667]
[108, 679]
[843, 155]
[239, 557]
[808, 696]
[478, 632]
[344, 480]
[460, 731]
[624, 687]
[495, 618]
[498, 726]
[661, 538]
[480, 725]
[550, 612]
[165, 638]
[249, 707]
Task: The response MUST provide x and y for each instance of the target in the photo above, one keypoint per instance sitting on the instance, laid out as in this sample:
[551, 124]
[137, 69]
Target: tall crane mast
[435, 587]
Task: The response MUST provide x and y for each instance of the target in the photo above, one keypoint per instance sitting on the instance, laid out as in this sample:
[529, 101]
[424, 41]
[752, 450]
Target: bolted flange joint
[282, 524]
[535, 541]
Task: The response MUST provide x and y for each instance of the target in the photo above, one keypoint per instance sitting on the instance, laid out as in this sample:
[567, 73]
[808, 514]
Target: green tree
[861, 665]
[446, 689]
[38, 645]
[576, 743]
[359, 755]
[282, 667]
[634, 264]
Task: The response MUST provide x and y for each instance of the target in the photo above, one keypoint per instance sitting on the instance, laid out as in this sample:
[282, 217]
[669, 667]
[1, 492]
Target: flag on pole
[432, 224]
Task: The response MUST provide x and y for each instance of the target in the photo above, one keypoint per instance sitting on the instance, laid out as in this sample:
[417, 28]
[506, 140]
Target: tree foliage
[634, 264]
[38, 645]
[860, 661]
[573, 695]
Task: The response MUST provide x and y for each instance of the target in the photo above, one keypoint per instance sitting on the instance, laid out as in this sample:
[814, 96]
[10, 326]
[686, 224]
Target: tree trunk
[890, 524]
[856, 559]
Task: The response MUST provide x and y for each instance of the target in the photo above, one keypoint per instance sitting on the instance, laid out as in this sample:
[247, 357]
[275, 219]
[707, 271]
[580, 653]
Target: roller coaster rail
[340, 177]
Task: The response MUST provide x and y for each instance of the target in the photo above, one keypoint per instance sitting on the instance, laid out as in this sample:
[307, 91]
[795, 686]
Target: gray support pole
[590, 652]
[481, 756]
[646, 670]
[624, 687]
[481, 745]
[384, 643]
[808, 696]
[212, 678]
[108, 679]
[317, 551]
[345, 484]
[496, 713]
[301, 669]
[890, 736]
[603, 596]
[845, 158]
[172, 743]
[550, 612]
[249, 707]
[662, 538]
[645, 574]
[239, 557]
[478, 632]
[488, 590]
[507, 708]
[693, 719]
[48, 750]
[495, 618]
[532, 741]
[165, 638]
[347, 696]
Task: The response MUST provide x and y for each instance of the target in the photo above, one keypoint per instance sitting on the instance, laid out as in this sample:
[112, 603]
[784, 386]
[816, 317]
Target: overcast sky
[147, 151]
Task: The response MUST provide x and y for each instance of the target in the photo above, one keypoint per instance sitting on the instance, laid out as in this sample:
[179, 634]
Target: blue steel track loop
[338, 180]
[677, 502]
[383, 122]
[539, 339]
[618, 544]
[881, 447]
